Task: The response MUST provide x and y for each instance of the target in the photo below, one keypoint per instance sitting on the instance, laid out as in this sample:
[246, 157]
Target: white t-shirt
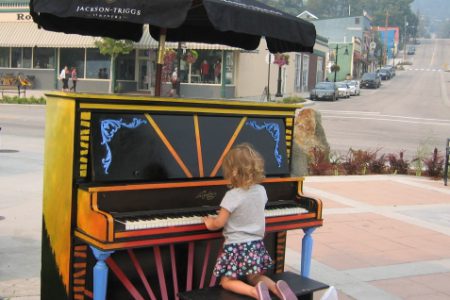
[62, 75]
[246, 222]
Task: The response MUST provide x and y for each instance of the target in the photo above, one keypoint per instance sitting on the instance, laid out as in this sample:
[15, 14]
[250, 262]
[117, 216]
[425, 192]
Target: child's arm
[215, 223]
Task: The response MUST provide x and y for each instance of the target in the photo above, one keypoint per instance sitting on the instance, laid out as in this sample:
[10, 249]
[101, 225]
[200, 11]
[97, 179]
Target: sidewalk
[384, 236]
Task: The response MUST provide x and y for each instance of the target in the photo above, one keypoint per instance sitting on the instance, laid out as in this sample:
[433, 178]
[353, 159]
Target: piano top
[182, 105]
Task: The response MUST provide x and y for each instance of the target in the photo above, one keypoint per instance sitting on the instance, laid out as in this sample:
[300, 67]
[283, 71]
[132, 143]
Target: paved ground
[384, 237]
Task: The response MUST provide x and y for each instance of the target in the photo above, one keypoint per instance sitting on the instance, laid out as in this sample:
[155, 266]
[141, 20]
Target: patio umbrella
[237, 23]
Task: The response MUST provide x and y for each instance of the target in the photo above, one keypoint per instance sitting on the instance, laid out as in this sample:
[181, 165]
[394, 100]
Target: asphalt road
[410, 111]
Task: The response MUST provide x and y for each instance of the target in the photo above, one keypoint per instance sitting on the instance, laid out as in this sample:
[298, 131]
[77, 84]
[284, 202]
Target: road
[410, 110]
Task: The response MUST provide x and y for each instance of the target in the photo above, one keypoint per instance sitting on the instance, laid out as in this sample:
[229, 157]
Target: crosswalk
[424, 69]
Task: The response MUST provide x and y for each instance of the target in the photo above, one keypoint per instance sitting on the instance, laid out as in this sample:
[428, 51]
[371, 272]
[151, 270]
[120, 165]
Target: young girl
[242, 217]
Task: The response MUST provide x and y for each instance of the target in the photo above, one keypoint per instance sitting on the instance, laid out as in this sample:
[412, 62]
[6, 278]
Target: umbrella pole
[160, 62]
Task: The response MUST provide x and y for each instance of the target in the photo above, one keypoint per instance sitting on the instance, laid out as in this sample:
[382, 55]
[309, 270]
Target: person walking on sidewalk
[242, 218]
[74, 79]
[64, 77]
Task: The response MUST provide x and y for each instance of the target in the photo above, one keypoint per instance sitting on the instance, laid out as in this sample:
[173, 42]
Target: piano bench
[303, 287]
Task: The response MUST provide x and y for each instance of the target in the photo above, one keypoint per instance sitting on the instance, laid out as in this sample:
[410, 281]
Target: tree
[113, 48]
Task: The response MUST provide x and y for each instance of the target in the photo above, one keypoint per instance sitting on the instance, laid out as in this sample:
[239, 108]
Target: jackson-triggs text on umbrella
[106, 12]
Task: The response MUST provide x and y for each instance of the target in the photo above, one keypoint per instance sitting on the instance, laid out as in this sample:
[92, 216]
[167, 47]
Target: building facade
[41, 55]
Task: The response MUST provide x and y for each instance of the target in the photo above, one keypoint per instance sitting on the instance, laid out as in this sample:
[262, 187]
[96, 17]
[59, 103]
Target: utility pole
[386, 37]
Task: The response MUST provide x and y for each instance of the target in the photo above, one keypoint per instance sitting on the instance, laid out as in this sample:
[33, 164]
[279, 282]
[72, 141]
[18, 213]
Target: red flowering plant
[170, 56]
[281, 59]
[191, 56]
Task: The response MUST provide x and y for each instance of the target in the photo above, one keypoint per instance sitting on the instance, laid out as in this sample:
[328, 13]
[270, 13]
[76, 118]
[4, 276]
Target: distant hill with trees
[434, 15]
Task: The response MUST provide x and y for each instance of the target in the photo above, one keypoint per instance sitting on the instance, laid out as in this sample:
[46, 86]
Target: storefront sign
[16, 17]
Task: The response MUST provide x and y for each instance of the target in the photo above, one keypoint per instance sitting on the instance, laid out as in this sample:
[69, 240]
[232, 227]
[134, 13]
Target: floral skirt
[241, 259]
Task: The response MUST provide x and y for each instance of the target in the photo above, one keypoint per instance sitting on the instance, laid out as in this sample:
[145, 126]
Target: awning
[27, 34]
[147, 42]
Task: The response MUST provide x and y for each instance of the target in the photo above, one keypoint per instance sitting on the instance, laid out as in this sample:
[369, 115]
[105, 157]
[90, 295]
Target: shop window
[125, 66]
[319, 74]
[200, 66]
[305, 72]
[97, 64]
[44, 58]
[73, 57]
[21, 58]
[4, 57]
[298, 73]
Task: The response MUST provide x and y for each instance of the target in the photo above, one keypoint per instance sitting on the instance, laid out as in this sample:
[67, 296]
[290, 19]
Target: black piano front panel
[126, 147]
[182, 197]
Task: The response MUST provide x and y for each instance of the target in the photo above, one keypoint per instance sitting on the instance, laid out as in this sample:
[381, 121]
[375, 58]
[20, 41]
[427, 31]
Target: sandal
[285, 291]
[263, 291]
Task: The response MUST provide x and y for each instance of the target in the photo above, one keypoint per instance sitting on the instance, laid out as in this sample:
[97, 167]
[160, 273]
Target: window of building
[201, 66]
[44, 58]
[4, 57]
[21, 57]
[125, 66]
[319, 74]
[298, 74]
[357, 21]
[73, 57]
[97, 63]
[305, 72]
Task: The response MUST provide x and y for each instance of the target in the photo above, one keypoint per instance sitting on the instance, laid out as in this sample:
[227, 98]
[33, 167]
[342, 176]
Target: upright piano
[127, 180]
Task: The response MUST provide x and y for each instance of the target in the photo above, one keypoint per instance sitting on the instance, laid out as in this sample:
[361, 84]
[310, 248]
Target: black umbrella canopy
[237, 23]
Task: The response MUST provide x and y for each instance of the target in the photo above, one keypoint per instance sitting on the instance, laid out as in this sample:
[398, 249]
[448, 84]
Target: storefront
[40, 55]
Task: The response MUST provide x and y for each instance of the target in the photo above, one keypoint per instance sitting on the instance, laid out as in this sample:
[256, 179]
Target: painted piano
[127, 180]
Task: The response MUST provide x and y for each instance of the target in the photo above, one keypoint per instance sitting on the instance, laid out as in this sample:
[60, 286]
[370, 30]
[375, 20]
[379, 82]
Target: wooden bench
[9, 89]
[302, 286]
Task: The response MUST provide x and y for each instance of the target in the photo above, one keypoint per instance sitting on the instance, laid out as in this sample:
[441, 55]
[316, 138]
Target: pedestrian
[64, 77]
[241, 216]
[217, 71]
[174, 82]
[74, 79]
[204, 71]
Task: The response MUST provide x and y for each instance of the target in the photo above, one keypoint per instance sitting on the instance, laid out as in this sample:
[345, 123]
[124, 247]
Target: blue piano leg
[307, 244]
[100, 273]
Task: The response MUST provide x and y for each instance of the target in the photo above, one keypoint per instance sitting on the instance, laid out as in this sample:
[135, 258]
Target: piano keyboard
[193, 218]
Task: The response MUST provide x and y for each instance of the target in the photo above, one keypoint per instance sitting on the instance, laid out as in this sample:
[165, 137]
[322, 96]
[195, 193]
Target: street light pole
[335, 62]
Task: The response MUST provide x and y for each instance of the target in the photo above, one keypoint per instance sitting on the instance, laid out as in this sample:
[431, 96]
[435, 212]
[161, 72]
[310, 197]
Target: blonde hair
[243, 166]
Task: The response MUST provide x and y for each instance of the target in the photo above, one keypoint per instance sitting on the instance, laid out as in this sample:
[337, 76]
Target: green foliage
[113, 48]
[293, 99]
[22, 100]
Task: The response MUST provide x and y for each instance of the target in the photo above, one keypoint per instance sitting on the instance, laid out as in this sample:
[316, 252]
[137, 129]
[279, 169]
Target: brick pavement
[384, 237]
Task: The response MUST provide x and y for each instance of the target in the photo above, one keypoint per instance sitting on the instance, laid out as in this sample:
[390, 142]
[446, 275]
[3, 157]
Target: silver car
[354, 87]
[344, 89]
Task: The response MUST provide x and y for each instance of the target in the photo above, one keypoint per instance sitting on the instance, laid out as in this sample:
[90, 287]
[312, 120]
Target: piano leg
[307, 244]
[100, 273]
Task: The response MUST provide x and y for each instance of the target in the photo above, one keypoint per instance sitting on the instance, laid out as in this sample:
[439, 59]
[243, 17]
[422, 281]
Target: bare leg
[254, 279]
[239, 287]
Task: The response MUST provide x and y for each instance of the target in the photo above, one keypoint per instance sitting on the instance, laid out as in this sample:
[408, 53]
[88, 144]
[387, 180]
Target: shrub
[378, 165]
[397, 164]
[319, 163]
[22, 100]
[358, 161]
[435, 164]
[293, 99]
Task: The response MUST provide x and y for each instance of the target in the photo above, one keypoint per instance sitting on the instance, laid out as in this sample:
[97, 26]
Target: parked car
[370, 80]
[391, 69]
[354, 87]
[385, 74]
[411, 50]
[324, 90]
[343, 89]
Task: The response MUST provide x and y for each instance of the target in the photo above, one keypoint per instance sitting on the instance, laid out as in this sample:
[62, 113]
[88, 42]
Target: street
[411, 109]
